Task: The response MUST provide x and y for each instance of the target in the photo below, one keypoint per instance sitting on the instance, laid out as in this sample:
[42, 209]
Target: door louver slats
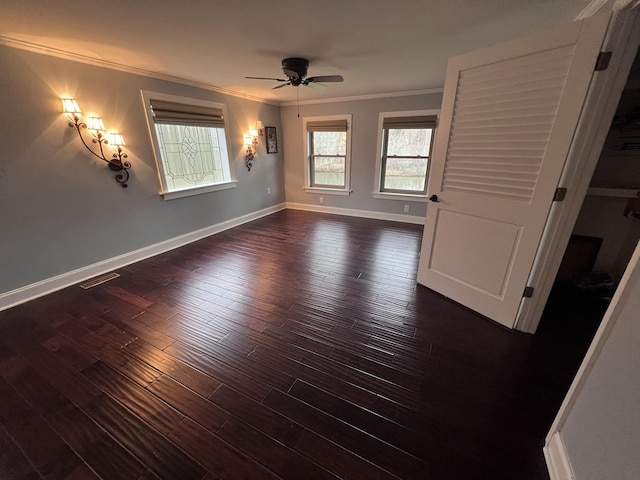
[501, 122]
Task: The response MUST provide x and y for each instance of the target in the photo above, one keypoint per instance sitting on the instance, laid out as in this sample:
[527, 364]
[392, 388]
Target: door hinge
[602, 63]
[528, 292]
[560, 194]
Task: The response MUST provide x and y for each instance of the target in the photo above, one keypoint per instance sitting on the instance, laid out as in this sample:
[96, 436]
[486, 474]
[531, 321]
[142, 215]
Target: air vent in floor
[98, 280]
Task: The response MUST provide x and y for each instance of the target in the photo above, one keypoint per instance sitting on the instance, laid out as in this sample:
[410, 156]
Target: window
[327, 143]
[190, 145]
[405, 150]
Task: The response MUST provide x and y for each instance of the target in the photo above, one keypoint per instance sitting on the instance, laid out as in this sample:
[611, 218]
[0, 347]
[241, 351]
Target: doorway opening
[606, 231]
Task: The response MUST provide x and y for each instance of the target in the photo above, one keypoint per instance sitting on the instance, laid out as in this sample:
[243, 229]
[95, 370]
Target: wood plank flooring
[297, 346]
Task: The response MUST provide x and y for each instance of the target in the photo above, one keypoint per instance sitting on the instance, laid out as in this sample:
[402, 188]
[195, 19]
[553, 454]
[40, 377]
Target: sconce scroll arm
[117, 164]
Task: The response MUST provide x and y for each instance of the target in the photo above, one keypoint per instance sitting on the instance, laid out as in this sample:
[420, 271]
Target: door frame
[558, 461]
[622, 39]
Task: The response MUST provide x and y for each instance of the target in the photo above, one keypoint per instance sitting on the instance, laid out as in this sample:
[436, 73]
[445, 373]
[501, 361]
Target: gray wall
[364, 139]
[61, 210]
[601, 433]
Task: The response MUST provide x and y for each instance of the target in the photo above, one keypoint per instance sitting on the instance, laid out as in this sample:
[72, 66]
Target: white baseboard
[393, 217]
[558, 462]
[50, 285]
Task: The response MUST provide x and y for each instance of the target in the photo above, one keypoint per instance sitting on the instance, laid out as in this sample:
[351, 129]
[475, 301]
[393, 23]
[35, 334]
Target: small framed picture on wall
[272, 139]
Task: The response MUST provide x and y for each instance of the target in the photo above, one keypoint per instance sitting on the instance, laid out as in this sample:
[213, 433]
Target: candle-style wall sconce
[95, 126]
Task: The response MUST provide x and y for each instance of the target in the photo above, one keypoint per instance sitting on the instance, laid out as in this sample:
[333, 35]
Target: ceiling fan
[295, 69]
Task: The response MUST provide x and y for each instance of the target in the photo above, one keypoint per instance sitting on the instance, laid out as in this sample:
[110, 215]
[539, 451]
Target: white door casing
[508, 117]
[622, 40]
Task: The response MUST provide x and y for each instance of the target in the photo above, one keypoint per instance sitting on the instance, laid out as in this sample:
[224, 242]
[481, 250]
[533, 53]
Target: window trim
[327, 189]
[377, 186]
[165, 192]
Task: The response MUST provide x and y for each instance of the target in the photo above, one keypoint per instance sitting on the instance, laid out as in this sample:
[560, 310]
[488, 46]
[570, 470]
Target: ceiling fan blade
[325, 78]
[267, 78]
[283, 85]
[317, 86]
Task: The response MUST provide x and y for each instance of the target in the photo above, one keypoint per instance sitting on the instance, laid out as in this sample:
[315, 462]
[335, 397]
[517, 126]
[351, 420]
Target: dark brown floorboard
[297, 346]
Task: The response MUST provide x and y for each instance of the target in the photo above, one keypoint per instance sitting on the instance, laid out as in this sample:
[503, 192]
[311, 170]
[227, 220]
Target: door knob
[434, 198]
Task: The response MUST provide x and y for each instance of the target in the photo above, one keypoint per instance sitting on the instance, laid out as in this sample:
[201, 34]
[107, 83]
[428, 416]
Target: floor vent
[98, 280]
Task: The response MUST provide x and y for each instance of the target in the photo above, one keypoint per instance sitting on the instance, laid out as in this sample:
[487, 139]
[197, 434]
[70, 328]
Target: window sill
[198, 190]
[328, 191]
[405, 197]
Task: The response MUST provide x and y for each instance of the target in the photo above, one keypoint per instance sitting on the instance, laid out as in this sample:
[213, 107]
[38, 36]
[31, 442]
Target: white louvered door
[506, 126]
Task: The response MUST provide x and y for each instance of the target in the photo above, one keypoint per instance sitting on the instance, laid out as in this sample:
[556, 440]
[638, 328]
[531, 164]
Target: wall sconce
[96, 128]
[252, 143]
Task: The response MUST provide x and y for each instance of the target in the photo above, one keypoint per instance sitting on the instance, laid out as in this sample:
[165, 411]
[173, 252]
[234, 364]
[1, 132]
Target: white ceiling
[378, 46]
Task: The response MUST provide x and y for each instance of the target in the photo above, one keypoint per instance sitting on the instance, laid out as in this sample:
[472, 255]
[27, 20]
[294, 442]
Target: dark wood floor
[297, 347]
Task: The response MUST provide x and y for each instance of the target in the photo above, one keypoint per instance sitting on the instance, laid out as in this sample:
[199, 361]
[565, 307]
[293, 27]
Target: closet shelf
[613, 192]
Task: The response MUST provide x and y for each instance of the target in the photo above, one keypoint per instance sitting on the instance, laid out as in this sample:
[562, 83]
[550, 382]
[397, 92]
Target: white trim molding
[345, 192]
[346, 189]
[377, 191]
[97, 62]
[50, 285]
[557, 459]
[227, 163]
[76, 57]
[198, 191]
[623, 37]
[392, 217]
[372, 96]
[591, 9]
[555, 453]
[400, 197]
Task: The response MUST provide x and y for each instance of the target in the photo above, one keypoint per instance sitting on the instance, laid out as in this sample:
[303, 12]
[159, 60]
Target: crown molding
[75, 57]
[355, 98]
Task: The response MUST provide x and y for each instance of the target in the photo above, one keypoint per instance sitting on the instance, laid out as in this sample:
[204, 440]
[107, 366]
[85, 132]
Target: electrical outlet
[321, 200]
[268, 190]
[406, 209]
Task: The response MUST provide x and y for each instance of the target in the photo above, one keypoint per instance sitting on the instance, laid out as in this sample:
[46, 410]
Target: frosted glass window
[190, 144]
[192, 155]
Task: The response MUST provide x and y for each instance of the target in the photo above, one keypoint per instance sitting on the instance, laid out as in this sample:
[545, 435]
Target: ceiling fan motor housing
[295, 69]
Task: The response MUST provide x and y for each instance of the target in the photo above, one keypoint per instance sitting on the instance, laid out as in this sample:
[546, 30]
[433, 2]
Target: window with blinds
[405, 153]
[327, 141]
[190, 143]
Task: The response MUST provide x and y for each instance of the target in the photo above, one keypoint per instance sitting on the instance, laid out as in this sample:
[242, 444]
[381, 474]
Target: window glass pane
[403, 171]
[409, 142]
[405, 174]
[192, 156]
[329, 143]
[328, 171]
